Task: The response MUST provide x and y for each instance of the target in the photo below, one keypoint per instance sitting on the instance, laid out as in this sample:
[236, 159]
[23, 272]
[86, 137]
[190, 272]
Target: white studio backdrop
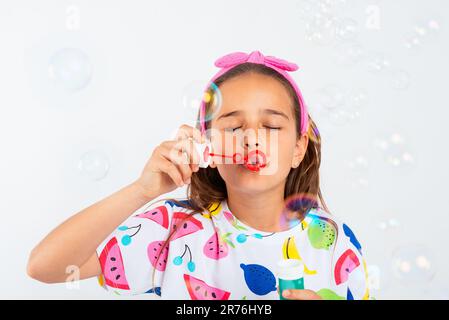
[89, 88]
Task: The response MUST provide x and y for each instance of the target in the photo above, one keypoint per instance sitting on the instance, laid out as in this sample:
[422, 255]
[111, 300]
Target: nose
[250, 140]
[249, 145]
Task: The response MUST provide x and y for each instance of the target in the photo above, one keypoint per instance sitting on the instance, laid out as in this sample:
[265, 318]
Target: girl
[224, 241]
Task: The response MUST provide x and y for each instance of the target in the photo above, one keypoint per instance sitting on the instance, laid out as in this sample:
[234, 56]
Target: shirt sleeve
[135, 250]
[349, 267]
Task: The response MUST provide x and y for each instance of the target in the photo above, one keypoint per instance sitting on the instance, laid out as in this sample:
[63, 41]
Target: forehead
[253, 92]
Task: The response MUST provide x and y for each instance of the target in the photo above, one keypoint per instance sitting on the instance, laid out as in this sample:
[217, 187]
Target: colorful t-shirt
[213, 255]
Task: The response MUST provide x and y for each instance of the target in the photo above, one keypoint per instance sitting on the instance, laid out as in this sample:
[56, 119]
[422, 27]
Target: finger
[172, 171]
[185, 146]
[193, 157]
[186, 131]
[180, 160]
[294, 294]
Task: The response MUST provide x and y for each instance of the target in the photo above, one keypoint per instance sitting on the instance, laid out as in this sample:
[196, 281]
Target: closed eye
[233, 129]
[268, 127]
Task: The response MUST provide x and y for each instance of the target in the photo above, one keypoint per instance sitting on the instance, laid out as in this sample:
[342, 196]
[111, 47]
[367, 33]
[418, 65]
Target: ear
[300, 150]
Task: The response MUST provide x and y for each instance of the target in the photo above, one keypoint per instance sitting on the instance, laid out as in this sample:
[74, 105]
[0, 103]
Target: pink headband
[231, 60]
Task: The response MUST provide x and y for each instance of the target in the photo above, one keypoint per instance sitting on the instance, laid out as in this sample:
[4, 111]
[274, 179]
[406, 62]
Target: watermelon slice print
[216, 246]
[155, 250]
[112, 267]
[158, 215]
[199, 290]
[184, 224]
[347, 262]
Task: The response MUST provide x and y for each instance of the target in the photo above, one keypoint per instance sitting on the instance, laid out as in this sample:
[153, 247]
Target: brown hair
[208, 187]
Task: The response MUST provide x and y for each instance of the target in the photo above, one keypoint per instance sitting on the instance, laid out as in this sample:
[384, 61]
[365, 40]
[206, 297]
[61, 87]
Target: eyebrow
[267, 111]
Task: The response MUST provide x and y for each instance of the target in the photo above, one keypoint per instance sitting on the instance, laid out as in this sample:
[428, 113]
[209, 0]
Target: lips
[255, 160]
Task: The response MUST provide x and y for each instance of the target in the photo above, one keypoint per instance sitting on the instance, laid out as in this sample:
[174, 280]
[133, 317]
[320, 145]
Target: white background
[144, 54]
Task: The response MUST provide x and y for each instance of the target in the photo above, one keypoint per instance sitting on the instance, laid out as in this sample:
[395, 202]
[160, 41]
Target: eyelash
[233, 129]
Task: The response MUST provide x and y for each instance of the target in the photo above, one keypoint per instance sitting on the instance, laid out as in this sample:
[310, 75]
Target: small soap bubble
[331, 97]
[320, 29]
[395, 151]
[388, 224]
[346, 29]
[423, 32]
[358, 171]
[357, 100]
[94, 164]
[412, 41]
[306, 8]
[194, 94]
[294, 205]
[348, 53]
[399, 79]
[413, 264]
[71, 69]
[340, 105]
[377, 62]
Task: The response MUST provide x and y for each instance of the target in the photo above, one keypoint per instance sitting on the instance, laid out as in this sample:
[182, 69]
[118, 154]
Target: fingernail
[286, 293]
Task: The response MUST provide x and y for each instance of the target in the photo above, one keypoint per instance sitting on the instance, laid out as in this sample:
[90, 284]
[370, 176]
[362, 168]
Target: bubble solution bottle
[204, 150]
[290, 275]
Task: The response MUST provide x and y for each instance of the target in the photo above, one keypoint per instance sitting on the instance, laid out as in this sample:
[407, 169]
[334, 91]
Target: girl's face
[256, 114]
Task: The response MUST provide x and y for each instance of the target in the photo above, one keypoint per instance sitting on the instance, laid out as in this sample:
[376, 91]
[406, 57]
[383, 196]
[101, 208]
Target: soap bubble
[357, 100]
[320, 29]
[341, 105]
[400, 79]
[379, 278]
[412, 41]
[94, 164]
[307, 8]
[346, 29]
[423, 32]
[413, 264]
[194, 94]
[395, 151]
[331, 97]
[341, 117]
[348, 53]
[388, 224]
[311, 8]
[377, 62]
[358, 171]
[70, 68]
[293, 204]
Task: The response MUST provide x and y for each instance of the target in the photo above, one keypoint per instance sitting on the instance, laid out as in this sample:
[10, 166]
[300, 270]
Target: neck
[261, 211]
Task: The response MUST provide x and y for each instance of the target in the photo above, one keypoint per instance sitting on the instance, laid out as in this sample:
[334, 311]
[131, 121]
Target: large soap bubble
[71, 69]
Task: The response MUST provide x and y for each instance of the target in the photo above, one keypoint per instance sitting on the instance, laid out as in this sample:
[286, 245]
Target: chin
[252, 182]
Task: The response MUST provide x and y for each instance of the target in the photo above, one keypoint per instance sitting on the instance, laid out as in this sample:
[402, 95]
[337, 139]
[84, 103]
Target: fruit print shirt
[215, 256]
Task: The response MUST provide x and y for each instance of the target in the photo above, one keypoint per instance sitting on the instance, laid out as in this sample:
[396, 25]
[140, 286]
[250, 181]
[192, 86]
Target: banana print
[290, 251]
[213, 209]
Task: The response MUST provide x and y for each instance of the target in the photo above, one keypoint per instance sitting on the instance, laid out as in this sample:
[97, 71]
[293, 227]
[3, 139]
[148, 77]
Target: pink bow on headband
[231, 60]
[236, 58]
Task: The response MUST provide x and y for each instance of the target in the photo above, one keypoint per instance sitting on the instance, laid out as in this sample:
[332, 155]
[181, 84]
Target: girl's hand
[171, 164]
[293, 294]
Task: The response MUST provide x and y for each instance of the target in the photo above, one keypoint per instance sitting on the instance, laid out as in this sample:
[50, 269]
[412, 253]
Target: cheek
[280, 150]
[225, 146]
